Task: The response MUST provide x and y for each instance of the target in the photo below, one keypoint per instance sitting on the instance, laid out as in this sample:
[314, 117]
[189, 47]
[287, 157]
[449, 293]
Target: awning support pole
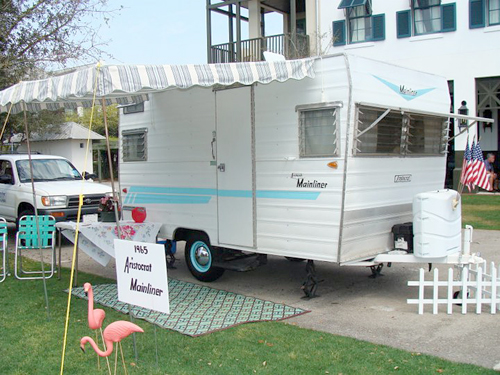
[374, 123]
[36, 211]
[463, 131]
[110, 163]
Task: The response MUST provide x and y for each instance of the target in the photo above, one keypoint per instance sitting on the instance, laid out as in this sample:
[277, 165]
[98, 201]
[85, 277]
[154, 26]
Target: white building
[70, 142]
[458, 39]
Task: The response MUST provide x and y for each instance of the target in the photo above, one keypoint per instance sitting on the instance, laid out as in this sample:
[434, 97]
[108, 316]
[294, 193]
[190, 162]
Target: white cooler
[437, 223]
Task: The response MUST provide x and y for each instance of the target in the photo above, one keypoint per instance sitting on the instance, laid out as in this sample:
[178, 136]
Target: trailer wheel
[295, 260]
[199, 258]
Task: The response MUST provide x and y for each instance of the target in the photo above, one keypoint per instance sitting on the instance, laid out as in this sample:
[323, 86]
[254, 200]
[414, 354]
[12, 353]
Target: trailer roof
[129, 84]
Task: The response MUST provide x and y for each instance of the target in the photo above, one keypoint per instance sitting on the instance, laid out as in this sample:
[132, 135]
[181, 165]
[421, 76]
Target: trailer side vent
[318, 131]
[134, 144]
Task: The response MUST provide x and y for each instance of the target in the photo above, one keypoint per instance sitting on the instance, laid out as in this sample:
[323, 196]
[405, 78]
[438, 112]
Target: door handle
[221, 167]
[212, 144]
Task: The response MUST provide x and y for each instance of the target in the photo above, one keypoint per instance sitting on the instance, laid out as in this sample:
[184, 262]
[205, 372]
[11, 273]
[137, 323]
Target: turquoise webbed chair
[30, 237]
[3, 248]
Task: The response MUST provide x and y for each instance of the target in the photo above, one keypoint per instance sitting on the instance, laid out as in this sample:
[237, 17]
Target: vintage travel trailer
[319, 168]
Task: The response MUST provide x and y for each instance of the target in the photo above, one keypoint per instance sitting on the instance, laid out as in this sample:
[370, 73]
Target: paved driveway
[351, 304]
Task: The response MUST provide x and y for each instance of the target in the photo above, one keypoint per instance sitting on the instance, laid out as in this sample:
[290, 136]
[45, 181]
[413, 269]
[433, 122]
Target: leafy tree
[98, 119]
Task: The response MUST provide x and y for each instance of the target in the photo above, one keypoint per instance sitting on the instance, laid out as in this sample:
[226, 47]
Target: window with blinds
[134, 145]
[318, 131]
[382, 132]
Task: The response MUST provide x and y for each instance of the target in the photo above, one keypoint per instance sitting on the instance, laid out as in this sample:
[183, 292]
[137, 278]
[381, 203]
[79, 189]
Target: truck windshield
[47, 170]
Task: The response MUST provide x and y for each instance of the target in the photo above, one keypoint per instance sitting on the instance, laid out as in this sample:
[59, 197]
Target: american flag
[479, 175]
[466, 167]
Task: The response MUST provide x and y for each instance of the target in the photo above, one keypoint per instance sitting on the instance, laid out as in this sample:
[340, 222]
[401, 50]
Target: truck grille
[88, 200]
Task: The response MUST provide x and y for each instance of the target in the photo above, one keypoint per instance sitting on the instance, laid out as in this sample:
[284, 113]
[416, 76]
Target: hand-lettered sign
[141, 273]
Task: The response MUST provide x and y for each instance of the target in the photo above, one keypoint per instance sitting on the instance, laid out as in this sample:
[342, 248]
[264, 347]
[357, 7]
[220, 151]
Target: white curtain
[494, 12]
[360, 25]
[428, 20]
[361, 29]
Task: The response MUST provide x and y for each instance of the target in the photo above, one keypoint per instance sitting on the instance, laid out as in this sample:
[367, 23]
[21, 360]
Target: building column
[312, 27]
[464, 89]
[238, 32]
[254, 17]
[209, 34]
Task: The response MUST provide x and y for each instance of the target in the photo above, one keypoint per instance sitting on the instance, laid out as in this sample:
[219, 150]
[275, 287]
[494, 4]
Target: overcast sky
[163, 32]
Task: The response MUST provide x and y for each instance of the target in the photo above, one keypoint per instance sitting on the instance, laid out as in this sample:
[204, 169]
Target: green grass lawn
[30, 344]
[481, 211]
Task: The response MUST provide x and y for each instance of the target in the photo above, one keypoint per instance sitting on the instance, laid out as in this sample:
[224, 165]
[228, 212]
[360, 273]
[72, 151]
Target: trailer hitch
[310, 286]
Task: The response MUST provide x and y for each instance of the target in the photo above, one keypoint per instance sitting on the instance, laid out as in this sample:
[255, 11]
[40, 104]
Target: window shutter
[476, 14]
[378, 27]
[448, 17]
[403, 21]
[339, 38]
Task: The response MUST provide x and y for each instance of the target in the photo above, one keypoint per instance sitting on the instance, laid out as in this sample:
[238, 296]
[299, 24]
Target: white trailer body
[318, 168]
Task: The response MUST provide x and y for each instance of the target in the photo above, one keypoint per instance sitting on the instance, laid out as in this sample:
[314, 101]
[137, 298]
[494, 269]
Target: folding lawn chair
[3, 248]
[27, 237]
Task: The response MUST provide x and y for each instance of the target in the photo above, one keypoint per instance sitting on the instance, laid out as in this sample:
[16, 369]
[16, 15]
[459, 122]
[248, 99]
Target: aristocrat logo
[402, 178]
[404, 91]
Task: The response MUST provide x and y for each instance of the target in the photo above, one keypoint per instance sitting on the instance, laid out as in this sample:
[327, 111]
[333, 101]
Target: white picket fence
[477, 285]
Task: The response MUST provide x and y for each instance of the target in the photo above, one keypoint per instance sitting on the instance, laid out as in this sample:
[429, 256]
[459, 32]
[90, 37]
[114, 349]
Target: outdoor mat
[196, 309]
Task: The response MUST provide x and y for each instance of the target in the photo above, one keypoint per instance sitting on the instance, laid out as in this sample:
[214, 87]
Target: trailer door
[236, 195]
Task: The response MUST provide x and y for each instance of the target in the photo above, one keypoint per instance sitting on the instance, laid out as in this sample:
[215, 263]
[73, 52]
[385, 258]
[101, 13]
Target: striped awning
[128, 84]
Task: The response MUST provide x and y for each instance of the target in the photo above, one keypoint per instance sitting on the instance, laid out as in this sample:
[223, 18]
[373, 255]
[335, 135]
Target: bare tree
[37, 33]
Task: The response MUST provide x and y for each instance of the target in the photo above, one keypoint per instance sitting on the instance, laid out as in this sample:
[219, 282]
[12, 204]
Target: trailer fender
[184, 234]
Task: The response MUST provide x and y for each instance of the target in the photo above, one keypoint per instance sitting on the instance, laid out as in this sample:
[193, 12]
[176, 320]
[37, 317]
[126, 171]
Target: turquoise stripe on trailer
[169, 199]
[173, 195]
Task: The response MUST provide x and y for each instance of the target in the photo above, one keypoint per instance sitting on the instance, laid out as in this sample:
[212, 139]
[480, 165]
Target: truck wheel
[199, 258]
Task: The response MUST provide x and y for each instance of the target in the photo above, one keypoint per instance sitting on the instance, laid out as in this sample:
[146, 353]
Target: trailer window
[134, 145]
[318, 132]
[393, 132]
[133, 108]
[427, 135]
[383, 138]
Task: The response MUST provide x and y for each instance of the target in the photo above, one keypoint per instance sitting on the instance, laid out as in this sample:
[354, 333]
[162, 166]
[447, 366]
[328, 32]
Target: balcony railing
[253, 49]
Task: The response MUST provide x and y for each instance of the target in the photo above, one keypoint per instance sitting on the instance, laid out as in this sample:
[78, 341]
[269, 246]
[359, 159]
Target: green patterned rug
[196, 309]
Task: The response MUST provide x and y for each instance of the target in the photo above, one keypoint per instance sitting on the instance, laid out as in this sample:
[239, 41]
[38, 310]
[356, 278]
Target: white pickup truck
[57, 184]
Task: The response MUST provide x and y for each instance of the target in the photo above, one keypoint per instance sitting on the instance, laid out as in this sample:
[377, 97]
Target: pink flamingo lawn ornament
[115, 332]
[95, 318]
